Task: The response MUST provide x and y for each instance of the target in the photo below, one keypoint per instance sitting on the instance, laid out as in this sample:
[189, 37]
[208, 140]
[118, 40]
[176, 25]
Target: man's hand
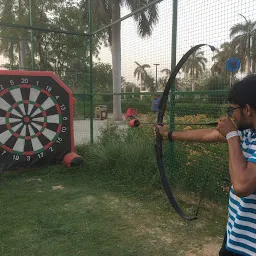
[162, 131]
[225, 126]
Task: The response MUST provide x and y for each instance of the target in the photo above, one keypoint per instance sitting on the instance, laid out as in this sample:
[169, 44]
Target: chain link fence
[118, 58]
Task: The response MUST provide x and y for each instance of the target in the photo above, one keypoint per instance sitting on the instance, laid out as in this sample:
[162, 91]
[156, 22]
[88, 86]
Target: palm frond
[146, 19]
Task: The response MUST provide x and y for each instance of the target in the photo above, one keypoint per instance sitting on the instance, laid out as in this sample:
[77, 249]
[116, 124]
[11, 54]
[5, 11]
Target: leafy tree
[102, 78]
[227, 50]
[107, 11]
[16, 43]
[217, 82]
[14, 11]
[129, 87]
[67, 55]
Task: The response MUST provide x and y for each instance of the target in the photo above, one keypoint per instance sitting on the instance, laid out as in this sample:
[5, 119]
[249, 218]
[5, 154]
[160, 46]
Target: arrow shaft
[208, 124]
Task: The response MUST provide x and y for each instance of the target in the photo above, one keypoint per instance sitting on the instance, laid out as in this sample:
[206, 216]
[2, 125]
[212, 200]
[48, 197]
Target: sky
[201, 21]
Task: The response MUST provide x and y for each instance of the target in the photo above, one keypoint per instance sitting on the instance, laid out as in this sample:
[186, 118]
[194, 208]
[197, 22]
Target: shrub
[128, 157]
[217, 83]
[211, 110]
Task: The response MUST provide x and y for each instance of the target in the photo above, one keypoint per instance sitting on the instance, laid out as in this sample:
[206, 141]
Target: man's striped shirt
[241, 227]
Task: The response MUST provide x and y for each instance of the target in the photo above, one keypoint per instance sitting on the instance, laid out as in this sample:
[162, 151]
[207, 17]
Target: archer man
[240, 134]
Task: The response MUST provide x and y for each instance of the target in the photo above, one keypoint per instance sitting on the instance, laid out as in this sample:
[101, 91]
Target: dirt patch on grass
[210, 249]
[164, 230]
[58, 187]
[33, 179]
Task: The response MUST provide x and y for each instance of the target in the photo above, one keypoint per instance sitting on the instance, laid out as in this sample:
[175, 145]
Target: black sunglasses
[230, 110]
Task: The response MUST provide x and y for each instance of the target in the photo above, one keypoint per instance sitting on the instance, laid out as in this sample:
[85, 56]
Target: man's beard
[243, 126]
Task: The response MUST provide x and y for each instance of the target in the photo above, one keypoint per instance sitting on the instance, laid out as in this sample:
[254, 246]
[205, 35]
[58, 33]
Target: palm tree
[149, 83]
[141, 73]
[227, 50]
[107, 11]
[194, 66]
[243, 37]
[161, 83]
[167, 73]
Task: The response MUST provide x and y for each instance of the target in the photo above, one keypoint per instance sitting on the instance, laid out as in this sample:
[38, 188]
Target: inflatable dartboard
[36, 119]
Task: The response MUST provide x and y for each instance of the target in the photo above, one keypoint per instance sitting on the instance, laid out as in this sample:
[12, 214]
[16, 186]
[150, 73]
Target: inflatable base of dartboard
[36, 120]
[72, 159]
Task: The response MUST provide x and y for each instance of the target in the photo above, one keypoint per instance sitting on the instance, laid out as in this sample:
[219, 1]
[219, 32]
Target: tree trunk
[141, 88]
[253, 67]
[116, 62]
[40, 51]
[193, 85]
[193, 80]
[249, 63]
[22, 49]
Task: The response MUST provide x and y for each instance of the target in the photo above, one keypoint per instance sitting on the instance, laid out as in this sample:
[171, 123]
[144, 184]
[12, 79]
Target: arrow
[137, 123]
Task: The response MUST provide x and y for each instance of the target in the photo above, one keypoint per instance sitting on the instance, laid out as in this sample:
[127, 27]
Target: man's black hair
[244, 92]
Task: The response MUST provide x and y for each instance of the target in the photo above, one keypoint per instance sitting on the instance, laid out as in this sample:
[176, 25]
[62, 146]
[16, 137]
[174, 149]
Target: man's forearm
[237, 166]
[200, 135]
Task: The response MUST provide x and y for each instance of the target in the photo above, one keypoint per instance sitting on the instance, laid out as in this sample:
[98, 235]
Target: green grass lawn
[65, 212]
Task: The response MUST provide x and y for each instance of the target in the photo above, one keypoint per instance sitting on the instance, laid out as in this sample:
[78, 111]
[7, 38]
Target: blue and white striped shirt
[241, 227]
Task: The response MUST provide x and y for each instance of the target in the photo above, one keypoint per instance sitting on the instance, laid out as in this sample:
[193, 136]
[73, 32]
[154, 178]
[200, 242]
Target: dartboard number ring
[34, 118]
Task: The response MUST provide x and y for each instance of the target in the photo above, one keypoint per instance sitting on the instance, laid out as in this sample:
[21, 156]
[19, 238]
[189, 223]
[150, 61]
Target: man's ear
[249, 110]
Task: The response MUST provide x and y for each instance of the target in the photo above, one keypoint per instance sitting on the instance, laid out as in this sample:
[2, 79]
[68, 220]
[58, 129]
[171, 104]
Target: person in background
[155, 104]
[238, 129]
[131, 113]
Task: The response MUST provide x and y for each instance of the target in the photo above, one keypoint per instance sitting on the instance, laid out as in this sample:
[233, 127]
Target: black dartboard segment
[36, 119]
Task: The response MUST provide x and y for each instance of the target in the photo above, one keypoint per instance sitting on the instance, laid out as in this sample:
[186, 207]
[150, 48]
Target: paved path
[82, 129]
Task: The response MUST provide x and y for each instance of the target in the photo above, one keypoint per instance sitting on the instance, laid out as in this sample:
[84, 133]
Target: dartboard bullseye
[36, 119]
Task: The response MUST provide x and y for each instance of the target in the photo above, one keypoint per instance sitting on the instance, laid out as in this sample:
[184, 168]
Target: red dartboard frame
[59, 87]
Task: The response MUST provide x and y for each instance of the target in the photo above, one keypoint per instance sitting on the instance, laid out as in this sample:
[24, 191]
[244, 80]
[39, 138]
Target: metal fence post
[31, 34]
[90, 70]
[173, 63]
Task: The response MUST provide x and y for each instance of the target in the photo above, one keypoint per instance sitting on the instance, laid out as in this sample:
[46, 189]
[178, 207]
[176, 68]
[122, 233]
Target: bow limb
[159, 139]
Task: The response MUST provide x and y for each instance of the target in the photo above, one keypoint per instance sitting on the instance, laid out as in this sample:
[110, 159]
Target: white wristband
[231, 134]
